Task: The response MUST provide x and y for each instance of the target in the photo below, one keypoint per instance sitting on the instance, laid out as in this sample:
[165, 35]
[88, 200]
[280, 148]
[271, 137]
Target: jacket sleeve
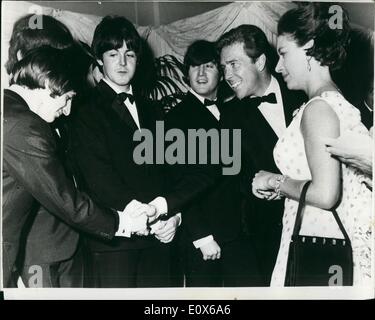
[30, 156]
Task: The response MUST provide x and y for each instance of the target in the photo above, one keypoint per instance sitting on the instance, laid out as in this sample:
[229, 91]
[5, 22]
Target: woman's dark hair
[356, 76]
[312, 21]
[111, 33]
[42, 65]
[25, 38]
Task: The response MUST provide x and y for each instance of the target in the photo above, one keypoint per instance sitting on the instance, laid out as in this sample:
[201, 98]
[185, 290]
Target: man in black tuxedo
[103, 147]
[33, 175]
[262, 109]
[49, 241]
[218, 253]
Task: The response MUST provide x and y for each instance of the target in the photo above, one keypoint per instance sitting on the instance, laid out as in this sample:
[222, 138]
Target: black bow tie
[123, 96]
[208, 102]
[270, 98]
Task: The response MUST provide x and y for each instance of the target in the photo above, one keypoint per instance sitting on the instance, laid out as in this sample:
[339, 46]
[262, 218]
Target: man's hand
[211, 251]
[133, 219]
[164, 231]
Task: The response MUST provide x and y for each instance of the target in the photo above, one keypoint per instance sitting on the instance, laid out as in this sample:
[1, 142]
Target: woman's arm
[319, 121]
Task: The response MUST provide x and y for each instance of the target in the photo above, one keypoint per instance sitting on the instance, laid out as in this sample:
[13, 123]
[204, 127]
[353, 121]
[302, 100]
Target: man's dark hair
[200, 52]
[42, 65]
[24, 38]
[111, 33]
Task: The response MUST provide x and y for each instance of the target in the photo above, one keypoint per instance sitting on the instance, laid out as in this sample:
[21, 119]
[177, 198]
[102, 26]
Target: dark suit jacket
[48, 238]
[32, 173]
[216, 210]
[258, 142]
[103, 148]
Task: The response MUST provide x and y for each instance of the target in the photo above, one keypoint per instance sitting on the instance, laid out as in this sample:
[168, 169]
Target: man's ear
[308, 45]
[260, 63]
[100, 62]
[19, 55]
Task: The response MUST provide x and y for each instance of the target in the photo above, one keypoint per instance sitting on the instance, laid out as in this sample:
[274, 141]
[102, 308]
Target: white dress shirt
[274, 112]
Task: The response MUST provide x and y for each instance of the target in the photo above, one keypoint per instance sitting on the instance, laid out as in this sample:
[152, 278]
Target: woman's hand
[262, 187]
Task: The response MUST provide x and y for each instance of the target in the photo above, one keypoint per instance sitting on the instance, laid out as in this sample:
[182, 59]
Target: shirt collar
[115, 89]
[198, 96]
[273, 86]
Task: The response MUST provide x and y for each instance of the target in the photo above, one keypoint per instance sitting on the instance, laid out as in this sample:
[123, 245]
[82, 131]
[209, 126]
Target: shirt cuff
[201, 242]
[161, 205]
[125, 225]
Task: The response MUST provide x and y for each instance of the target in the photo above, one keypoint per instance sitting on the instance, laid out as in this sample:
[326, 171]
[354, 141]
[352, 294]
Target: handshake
[143, 219]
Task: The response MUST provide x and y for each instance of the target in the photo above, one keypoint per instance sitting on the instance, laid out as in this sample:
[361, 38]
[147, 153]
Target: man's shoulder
[19, 119]
[181, 109]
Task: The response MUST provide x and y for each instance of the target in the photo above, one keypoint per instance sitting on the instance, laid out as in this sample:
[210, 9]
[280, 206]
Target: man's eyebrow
[230, 61]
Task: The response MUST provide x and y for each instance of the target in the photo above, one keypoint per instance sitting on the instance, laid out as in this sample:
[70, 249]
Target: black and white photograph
[176, 150]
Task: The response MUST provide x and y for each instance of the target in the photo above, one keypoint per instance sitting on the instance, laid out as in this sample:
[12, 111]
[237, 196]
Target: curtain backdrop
[172, 38]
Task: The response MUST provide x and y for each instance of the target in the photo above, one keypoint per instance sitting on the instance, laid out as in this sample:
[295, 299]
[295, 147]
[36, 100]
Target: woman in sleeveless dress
[309, 47]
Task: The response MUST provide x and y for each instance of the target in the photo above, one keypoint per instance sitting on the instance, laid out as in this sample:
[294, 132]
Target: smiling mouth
[234, 85]
[202, 81]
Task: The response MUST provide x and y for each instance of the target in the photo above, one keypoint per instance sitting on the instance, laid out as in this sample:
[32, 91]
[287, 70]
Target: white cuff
[125, 225]
[201, 242]
[161, 205]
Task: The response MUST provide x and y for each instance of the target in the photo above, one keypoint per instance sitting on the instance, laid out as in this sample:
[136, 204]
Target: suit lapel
[198, 109]
[117, 106]
[143, 113]
[260, 124]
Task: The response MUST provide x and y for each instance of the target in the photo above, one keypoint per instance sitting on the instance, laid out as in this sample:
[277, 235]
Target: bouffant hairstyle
[311, 21]
[358, 66]
[25, 38]
[111, 33]
[254, 41]
[42, 65]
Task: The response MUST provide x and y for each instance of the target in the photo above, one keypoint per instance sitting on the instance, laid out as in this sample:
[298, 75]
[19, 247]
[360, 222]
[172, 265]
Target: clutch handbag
[318, 261]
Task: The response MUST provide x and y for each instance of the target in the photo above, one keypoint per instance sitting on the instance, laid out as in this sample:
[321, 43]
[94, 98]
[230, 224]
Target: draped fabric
[172, 38]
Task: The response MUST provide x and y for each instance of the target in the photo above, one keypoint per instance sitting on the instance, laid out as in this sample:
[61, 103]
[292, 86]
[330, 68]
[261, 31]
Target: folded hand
[211, 251]
[165, 231]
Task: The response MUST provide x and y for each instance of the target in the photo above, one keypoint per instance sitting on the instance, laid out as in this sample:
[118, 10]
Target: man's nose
[122, 59]
[279, 66]
[201, 70]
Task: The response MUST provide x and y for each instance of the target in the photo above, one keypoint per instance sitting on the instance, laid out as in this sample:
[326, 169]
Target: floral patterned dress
[355, 209]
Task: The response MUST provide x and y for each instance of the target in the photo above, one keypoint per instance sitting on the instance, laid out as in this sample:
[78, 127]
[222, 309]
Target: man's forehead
[203, 63]
[232, 51]
[124, 47]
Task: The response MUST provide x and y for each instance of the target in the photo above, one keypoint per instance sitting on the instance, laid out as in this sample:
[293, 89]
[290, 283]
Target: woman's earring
[308, 64]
